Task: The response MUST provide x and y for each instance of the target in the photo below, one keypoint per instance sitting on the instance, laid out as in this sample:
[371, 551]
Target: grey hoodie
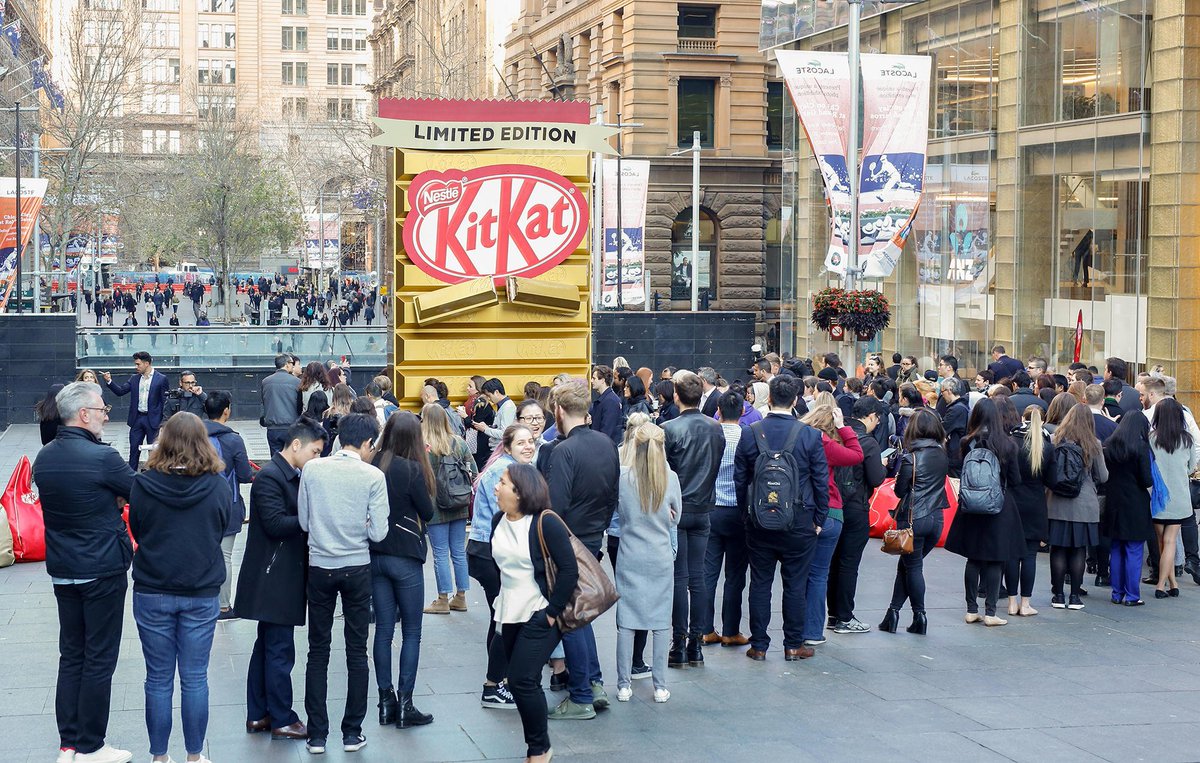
[342, 505]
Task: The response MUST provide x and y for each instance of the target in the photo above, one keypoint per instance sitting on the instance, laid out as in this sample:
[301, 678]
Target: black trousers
[688, 612]
[353, 584]
[485, 573]
[140, 431]
[89, 640]
[793, 553]
[528, 646]
[277, 439]
[269, 679]
[843, 568]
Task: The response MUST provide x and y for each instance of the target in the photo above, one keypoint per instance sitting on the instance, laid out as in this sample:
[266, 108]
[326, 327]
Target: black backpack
[453, 484]
[980, 490]
[1068, 470]
[775, 488]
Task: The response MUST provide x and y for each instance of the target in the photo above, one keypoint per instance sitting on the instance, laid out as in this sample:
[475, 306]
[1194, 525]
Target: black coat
[1024, 397]
[928, 487]
[274, 575]
[1030, 492]
[954, 419]
[857, 483]
[1126, 514]
[79, 480]
[409, 510]
[994, 538]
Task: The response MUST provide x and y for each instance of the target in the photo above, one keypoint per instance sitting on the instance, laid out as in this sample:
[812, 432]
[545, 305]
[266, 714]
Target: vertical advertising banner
[32, 193]
[318, 231]
[953, 229]
[819, 84]
[629, 235]
[895, 141]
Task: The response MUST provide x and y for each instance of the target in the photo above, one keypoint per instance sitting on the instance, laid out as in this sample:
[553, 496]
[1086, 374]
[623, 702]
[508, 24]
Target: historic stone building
[675, 68]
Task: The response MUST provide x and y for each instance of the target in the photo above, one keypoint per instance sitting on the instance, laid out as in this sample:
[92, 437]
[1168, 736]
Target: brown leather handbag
[594, 592]
[896, 541]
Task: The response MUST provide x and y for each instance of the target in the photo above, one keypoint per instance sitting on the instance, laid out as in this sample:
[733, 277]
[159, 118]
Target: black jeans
[269, 680]
[1021, 574]
[793, 553]
[527, 647]
[139, 431]
[687, 615]
[727, 543]
[89, 640]
[277, 439]
[639, 637]
[484, 571]
[843, 568]
[353, 584]
[987, 574]
[910, 569]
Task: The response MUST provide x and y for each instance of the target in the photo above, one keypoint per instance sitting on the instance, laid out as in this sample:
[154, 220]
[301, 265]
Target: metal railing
[230, 347]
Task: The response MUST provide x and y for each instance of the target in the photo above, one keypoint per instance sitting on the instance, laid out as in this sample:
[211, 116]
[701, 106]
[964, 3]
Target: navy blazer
[158, 397]
[810, 459]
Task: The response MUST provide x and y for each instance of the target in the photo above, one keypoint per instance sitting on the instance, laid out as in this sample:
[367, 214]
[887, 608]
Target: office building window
[217, 6]
[287, 38]
[302, 73]
[301, 38]
[295, 108]
[697, 21]
[331, 74]
[360, 75]
[294, 7]
[347, 74]
[360, 40]
[287, 73]
[360, 7]
[347, 39]
[160, 5]
[696, 110]
[775, 115]
[331, 109]
[331, 7]
[331, 39]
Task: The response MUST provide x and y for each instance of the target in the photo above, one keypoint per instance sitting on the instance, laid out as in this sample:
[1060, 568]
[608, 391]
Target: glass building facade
[1056, 185]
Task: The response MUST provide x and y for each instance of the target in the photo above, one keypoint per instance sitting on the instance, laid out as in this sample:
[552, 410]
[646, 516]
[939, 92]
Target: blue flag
[12, 33]
[39, 74]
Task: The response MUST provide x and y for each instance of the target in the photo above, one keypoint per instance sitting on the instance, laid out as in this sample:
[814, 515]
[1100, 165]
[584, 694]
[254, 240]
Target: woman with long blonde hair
[650, 504]
[448, 456]
[1036, 460]
[632, 423]
[841, 449]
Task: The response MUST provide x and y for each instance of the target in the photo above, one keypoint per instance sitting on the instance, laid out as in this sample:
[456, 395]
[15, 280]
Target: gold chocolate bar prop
[454, 300]
[540, 295]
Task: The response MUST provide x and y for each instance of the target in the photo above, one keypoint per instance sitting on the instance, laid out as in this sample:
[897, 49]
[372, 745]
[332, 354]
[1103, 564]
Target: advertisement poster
[952, 228]
[819, 84]
[32, 193]
[895, 141]
[681, 274]
[317, 254]
[635, 183]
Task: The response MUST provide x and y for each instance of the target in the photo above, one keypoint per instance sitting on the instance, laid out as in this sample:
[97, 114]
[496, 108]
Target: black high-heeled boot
[920, 624]
[676, 657]
[891, 621]
[387, 707]
[407, 715]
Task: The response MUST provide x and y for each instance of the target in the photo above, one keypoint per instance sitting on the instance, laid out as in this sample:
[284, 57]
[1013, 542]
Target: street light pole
[17, 163]
[696, 221]
[853, 40]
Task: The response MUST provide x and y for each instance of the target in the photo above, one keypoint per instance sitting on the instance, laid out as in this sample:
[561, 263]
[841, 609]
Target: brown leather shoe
[738, 640]
[802, 653]
[296, 731]
[263, 724]
[711, 638]
[756, 655]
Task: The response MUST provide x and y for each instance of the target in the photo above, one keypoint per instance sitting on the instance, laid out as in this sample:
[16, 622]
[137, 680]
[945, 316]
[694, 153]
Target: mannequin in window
[1081, 258]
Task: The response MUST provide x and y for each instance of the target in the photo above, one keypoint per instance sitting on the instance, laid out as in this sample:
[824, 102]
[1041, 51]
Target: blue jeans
[398, 589]
[818, 578]
[449, 541]
[176, 631]
[583, 661]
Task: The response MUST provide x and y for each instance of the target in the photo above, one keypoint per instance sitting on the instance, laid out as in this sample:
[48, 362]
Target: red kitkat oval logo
[499, 221]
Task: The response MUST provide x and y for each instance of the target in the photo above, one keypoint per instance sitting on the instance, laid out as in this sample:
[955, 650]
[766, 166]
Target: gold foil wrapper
[454, 300]
[541, 295]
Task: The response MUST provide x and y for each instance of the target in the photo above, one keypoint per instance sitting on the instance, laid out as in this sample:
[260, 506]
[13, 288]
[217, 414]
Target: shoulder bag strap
[551, 571]
[912, 491]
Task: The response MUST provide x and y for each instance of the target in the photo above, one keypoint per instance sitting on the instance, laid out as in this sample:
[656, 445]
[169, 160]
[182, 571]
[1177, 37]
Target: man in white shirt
[146, 408]
[1156, 388]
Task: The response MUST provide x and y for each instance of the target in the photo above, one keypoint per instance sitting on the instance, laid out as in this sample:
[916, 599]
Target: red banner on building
[32, 192]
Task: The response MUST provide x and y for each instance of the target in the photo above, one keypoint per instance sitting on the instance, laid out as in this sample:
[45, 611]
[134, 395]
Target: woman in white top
[527, 608]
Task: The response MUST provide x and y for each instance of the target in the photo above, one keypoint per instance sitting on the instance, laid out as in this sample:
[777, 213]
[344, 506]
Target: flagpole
[17, 163]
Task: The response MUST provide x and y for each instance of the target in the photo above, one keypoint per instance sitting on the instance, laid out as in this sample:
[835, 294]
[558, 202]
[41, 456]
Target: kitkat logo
[499, 221]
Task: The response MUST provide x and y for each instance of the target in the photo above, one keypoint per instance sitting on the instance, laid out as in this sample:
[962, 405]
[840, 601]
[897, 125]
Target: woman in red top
[841, 449]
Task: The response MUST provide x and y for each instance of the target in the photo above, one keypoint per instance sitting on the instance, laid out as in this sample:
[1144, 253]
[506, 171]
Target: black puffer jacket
[79, 479]
[929, 488]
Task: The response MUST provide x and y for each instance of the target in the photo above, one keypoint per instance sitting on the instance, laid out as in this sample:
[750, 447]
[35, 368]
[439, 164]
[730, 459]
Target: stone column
[1008, 180]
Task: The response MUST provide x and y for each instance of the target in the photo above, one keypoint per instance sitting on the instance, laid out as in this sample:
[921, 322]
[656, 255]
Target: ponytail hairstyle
[1035, 440]
[646, 457]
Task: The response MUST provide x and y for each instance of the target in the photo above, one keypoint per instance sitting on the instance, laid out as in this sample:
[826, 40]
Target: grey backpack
[980, 490]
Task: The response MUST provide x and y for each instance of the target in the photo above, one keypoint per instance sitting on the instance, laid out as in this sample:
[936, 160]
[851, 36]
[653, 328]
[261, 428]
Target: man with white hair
[710, 396]
[88, 553]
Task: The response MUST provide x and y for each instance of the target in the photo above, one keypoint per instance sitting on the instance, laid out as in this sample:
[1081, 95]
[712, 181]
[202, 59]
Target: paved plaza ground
[1105, 683]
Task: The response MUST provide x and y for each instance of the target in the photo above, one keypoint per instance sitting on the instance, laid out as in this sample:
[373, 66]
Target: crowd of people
[695, 483]
[280, 301]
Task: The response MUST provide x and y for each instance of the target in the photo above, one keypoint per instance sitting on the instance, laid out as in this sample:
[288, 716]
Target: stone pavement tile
[896, 686]
[927, 747]
[1031, 746]
[1161, 742]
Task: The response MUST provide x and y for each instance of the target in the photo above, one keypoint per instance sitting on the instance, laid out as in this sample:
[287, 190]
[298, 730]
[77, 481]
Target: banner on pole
[630, 235]
[819, 84]
[953, 230]
[895, 142]
[33, 190]
[1078, 337]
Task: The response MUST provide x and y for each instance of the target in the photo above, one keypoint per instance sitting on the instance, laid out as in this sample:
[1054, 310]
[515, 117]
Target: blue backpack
[230, 474]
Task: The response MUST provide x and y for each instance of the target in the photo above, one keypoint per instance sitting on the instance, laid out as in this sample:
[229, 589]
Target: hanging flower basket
[865, 313]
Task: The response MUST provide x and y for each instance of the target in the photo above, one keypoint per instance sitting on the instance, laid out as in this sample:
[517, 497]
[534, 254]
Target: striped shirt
[726, 493]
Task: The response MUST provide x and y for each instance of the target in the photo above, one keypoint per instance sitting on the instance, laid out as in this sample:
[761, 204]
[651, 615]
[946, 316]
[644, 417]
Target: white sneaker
[662, 695]
[106, 754]
[65, 756]
[624, 694]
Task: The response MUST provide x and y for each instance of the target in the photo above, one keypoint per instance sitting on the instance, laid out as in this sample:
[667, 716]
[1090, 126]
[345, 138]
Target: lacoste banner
[629, 235]
[32, 192]
[820, 87]
[895, 141]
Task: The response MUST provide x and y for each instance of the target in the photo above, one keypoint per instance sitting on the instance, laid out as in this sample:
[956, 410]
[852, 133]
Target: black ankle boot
[407, 715]
[890, 621]
[920, 624]
[387, 707]
[695, 653]
[676, 658]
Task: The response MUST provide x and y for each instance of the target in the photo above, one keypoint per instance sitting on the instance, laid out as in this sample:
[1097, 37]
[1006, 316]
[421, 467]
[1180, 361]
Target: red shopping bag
[884, 500]
[24, 511]
[128, 529]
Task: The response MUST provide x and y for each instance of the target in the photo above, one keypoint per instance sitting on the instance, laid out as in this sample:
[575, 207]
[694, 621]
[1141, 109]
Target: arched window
[681, 246]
